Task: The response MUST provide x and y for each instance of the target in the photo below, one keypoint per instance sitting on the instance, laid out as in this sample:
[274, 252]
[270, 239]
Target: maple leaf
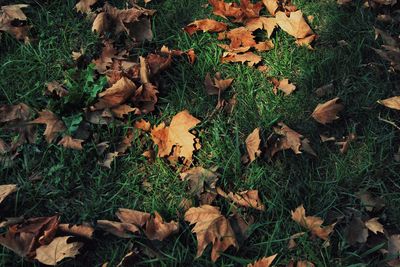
[211, 227]
[205, 25]
[68, 142]
[392, 102]
[142, 125]
[57, 250]
[284, 85]
[312, 223]
[248, 198]
[356, 231]
[10, 113]
[157, 229]
[271, 5]
[117, 94]
[135, 217]
[83, 6]
[6, 190]
[262, 23]
[104, 61]
[250, 10]
[123, 230]
[248, 57]
[264, 46]
[294, 25]
[240, 37]
[176, 135]
[306, 41]
[8, 15]
[225, 10]
[327, 112]
[83, 230]
[200, 179]
[253, 142]
[374, 226]
[124, 109]
[54, 126]
[55, 88]
[264, 262]
[217, 86]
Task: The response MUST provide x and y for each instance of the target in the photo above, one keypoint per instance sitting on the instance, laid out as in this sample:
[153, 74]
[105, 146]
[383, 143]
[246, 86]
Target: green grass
[75, 186]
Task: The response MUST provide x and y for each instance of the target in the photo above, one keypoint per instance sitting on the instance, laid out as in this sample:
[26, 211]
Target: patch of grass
[74, 185]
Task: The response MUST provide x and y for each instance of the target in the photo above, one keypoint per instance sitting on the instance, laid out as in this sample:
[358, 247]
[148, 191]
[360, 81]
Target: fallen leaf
[157, 229]
[57, 250]
[68, 142]
[345, 143]
[6, 190]
[211, 227]
[123, 230]
[253, 142]
[54, 126]
[142, 125]
[122, 110]
[205, 25]
[374, 226]
[294, 25]
[327, 112]
[225, 10]
[262, 23]
[83, 6]
[199, 179]
[131, 258]
[264, 262]
[356, 232]
[370, 202]
[10, 113]
[83, 230]
[57, 89]
[176, 135]
[392, 102]
[248, 198]
[271, 5]
[217, 86]
[109, 159]
[284, 85]
[306, 41]
[135, 217]
[117, 94]
[304, 264]
[312, 223]
[249, 57]
[240, 37]
[9, 15]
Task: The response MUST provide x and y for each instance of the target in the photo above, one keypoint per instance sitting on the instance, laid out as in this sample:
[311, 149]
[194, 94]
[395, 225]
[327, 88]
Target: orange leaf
[248, 57]
[264, 262]
[327, 112]
[294, 25]
[392, 102]
[253, 144]
[69, 142]
[205, 25]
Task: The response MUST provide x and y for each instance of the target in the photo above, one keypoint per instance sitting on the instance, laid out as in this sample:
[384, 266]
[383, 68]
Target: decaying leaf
[392, 102]
[327, 112]
[312, 223]
[374, 226]
[68, 142]
[83, 230]
[205, 25]
[11, 113]
[248, 198]
[157, 229]
[356, 231]
[294, 25]
[264, 262]
[6, 190]
[117, 94]
[176, 136]
[218, 85]
[11, 14]
[199, 179]
[84, 5]
[249, 57]
[54, 126]
[211, 227]
[57, 250]
[253, 142]
[370, 202]
[262, 23]
[123, 230]
[56, 88]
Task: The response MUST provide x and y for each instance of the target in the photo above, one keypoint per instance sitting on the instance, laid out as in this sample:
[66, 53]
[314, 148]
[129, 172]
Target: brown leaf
[57, 89]
[327, 112]
[253, 142]
[304, 264]
[83, 230]
[374, 226]
[217, 86]
[57, 250]
[306, 41]
[356, 232]
[294, 25]
[54, 126]
[264, 262]
[392, 102]
[262, 23]
[123, 230]
[109, 159]
[205, 25]
[68, 142]
[370, 202]
[142, 125]
[225, 10]
[6, 190]
[83, 6]
[249, 57]
[117, 94]
[211, 227]
[312, 223]
[248, 198]
[264, 46]
[199, 179]
[135, 217]
[285, 86]
[240, 37]
[18, 112]
[345, 144]
[176, 135]
[271, 5]
[105, 60]
[8, 16]
[157, 229]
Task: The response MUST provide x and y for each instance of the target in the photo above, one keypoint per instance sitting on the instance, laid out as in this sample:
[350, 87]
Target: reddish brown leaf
[205, 25]
[262, 23]
[57, 89]
[54, 126]
[253, 142]
[294, 25]
[327, 112]
[249, 57]
[6, 190]
[68, 142]
[264, 262]
[157, 229]
[83, 230]
[117, 94]
[217, 86]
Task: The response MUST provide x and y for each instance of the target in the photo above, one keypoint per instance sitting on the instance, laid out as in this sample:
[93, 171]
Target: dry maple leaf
[135, 217]
[57, 89]
[306, 41]
[83, 230]
[271, 5]
[294, 25]
[327, 112]
[54, 126]
[57, 250]
[248, 198]
[84, 5]
[6, 190]
[8, 16]
[264, 262]
[211, 227]
[117, 94]
[312, 223]
[284, 85]
[225, 10]
[392, 102]
[205, 25]
[157, 229]
[217, 86]
[374, 226]
[68, 142]
[262, 23]
[253, 142]
[200, 179]
[240, 37]
[356, 231]
[249, 57]
[176, 135]
[105, 60]
[9, 113]
[142, 125]
[123, 230]
[264, 46]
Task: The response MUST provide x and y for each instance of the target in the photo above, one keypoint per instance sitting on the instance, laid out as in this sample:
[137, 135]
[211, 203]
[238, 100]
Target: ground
[76, 187]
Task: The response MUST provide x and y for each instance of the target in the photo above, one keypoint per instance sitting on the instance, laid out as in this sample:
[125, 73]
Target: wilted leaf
[68, 142]
[109, 159]
[211, 227]
[84, 5]
[264, 262]
[135, 217]
[9, 113]
[6, 190]
[199, 179]
[83, 230]
[262, 23]
[225, 10]
[374, 226]
[271, 5]
[176, 135]
[253, 142]
[217, 86]
[8, 15]
[157, 229]
[370, 202]
[142, 125]
[248, 198]
[54, 126]
[312, 223]
[57, 89]
[205, 25]
[392, 102]
[117, 94]
[240, 37]
[123, 230]
[249, 57]
[284, 85]
[327, 112]
[294, 25]
[57, 250]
